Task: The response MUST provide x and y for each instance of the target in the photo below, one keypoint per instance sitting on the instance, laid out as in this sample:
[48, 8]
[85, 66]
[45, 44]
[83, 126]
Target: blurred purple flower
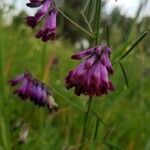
[91, 77]
[47, 12]
[36, 91]
[49, 28]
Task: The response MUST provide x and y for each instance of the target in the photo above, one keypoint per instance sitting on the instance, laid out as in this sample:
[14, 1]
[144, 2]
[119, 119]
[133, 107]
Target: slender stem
[86, 21]
[66, 99]
[98, 16]
[89, 104]
[78, 26]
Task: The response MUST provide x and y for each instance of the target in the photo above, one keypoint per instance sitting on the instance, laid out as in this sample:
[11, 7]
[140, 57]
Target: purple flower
[47, 12]
[36, 91]
[91, 77]
[49, 28]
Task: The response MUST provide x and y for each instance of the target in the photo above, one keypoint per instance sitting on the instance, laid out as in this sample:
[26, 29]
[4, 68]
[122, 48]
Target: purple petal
[90, 61]
[21, 91]
[33, 93]
[39, 95]
[103, 72]
[106, 62]
[111, 86]
[95, 80]
[83, 54]
[17, 80]
[44, 9]
[31, 21]
[49, 28]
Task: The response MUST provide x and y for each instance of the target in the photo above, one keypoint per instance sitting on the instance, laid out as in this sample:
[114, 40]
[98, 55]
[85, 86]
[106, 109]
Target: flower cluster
[36, 91]
[91, 77]
[47, 12]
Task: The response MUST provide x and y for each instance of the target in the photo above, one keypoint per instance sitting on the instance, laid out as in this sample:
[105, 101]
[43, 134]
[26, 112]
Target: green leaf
[124, 74]
[133, 45]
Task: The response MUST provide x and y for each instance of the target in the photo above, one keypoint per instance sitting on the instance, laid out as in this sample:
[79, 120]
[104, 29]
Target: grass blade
[124, 74]
[94, 113]
[2, 84]
[98, 17]
[133, 45]
[4, 134]
[96, 129]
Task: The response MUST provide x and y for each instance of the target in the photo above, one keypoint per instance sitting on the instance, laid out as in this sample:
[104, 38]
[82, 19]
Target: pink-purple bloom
[91, 77]
[48, 13]
[36, 91]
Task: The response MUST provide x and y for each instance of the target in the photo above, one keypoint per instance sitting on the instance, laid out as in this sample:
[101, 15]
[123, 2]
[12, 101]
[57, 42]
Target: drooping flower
[91, 77]
[36, 91]
[49, 29]
[48, 13]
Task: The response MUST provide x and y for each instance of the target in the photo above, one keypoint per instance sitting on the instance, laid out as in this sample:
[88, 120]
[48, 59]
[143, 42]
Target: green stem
[86, 21]
[98, 16]
[66, 99]
[78, 26]
[89, 104]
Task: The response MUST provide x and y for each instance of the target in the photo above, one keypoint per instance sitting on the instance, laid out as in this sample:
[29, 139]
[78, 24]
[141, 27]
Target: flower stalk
[89, 104]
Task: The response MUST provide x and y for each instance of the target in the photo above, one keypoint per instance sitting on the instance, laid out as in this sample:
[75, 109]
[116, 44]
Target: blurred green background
[125, 112]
